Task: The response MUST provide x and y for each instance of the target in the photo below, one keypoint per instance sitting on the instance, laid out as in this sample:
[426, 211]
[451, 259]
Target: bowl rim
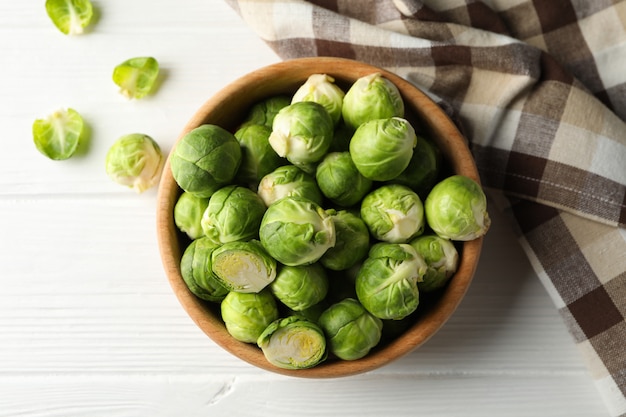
[449, 140]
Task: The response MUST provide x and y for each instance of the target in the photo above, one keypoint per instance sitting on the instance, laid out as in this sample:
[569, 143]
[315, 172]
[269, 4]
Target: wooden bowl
[226, 109]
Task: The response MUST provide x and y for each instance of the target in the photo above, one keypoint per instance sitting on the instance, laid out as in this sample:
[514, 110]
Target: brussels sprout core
[293, 343]
[243, 266]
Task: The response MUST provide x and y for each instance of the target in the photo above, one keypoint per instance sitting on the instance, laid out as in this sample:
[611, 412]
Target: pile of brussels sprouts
[321, 221]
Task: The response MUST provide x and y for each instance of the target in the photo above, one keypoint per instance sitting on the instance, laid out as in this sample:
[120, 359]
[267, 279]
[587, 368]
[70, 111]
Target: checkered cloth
[539, 89]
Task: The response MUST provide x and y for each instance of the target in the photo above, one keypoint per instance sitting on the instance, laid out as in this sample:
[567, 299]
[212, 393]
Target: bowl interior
[226, 109]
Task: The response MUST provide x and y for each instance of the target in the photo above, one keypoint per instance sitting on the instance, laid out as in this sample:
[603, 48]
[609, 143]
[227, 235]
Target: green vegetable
[350, 330]
[382, 149]
[352, 242]
[247, 315]
[243, 266]
[233, 213]
[58, 135]
[264, 112]
[289, 181]
[205, 159]
[257, 158]
[340, 181]
[300, 287]
[369, 98]
[293, 343]
[393, 213]
[136, 76]
[136, 161]
[441, 258]
[296, 231]
[302, 132]
[456, 209]
[423, 170]
[70, 16]
[188, 212]
[195, 268]
[321, 88]
[386, 284]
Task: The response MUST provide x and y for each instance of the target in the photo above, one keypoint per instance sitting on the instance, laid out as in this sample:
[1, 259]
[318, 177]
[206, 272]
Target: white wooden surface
[88, 324]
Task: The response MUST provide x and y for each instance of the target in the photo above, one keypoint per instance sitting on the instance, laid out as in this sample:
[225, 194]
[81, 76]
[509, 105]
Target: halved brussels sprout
[393, 213]
[352, 242]
[456, 209]
[188, 212]
[371, 97]
[350, 329]
[243, 266]
[136, 76]
[195, 268]
[441, 257]
[58, 135]
[257, 156]
[386, 284]
[382, 149]
[71, 17]
[296, 231]
[136, 161]
[300, 287]
[340, 181]
[302, 132]
[247, 315]
[423, 170]
[233, 213]
[263, 112]
[205, 159]
[288, 181]
[293, 343]
[321, 88]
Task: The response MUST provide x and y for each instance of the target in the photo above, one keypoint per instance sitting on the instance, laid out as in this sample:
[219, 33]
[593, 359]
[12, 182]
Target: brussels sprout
[243, 266]
[288, 181]
[71, 17]
[352, 242]
[441, 258]
[263, 112]
[381, 149]
[321, 88]
[136, 76]
[188, 212]
[456, 209]
[423, 170]
[257, 156]
[58, 135]
[300, 287]
[296, 231]
[293, 343]
[340, 181]
[234, 213]
[371, 97]
[246, 315]
[136, 161]
[195, 268]
[205, 159]
[302, 132]
[351, 330]
[386, 284]
[393, 213]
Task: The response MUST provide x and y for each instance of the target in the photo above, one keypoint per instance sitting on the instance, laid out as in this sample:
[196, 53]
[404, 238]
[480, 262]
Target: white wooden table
[88, 323]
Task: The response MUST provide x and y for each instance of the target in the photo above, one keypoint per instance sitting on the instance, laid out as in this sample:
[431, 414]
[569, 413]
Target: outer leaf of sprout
[340, 181]
[70, 16]
[57, 136]
[293, 343]
[136, 76]
[300, 287]
[136, 161]
[246, 315]
[352, 242]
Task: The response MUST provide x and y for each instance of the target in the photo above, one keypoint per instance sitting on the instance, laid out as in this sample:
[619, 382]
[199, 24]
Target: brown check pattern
[539, 89]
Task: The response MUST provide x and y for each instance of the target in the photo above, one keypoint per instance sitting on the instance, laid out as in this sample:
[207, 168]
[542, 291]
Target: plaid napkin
[539, 89]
